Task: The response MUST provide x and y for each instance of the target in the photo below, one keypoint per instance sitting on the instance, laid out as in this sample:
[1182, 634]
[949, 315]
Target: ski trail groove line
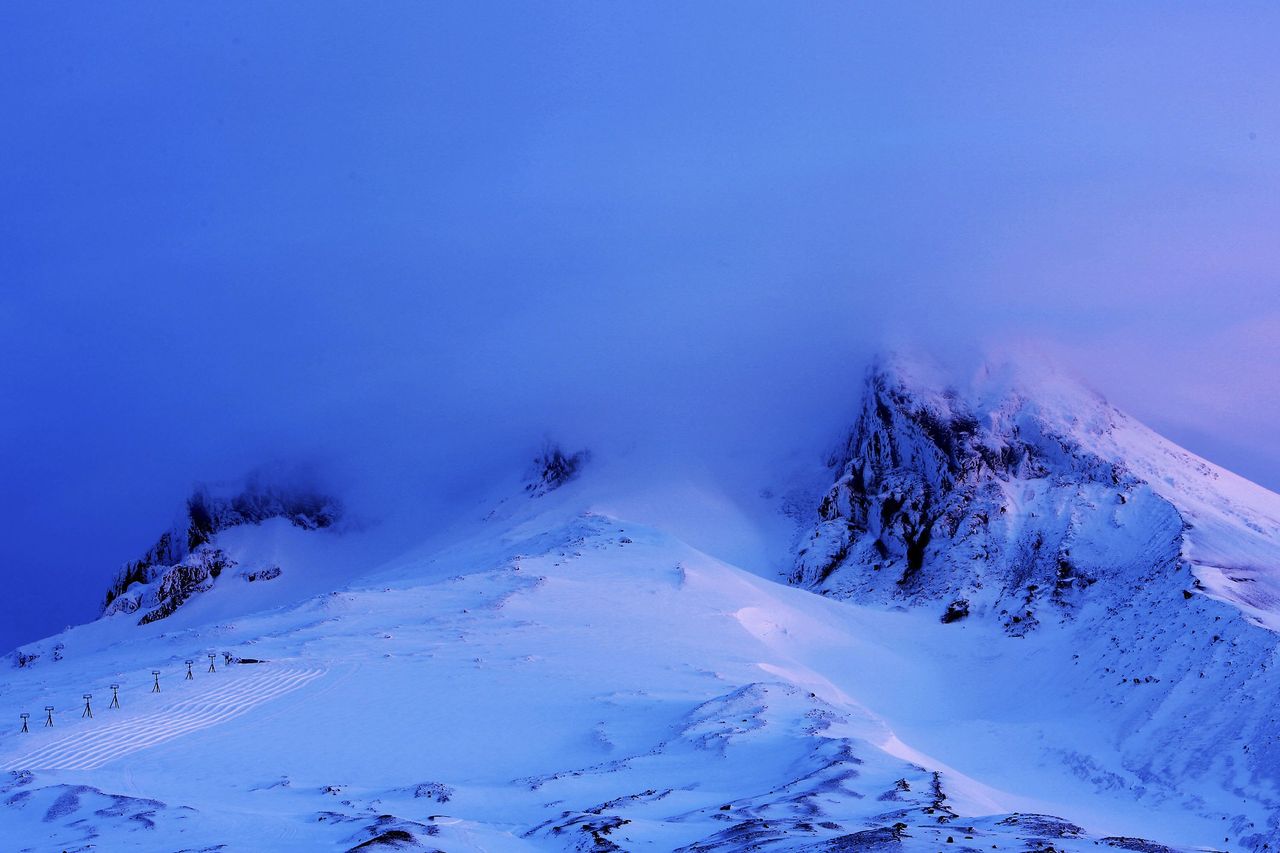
[90, 749]
[109, 744]
[87, 751]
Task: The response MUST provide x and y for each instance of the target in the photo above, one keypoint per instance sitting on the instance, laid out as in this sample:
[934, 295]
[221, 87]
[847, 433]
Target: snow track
[163, 717]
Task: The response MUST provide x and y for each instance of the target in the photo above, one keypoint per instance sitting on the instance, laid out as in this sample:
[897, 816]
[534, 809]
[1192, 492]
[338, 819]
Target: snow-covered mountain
[1020, 493]
[1026, 501]
[1040, 626]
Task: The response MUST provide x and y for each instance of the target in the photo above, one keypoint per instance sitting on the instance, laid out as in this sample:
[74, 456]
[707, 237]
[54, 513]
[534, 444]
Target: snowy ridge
[1033, 504]
[600, 680]
[560, 671]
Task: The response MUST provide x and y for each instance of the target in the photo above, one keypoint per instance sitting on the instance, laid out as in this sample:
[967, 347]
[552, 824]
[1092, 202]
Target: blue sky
[420, 236]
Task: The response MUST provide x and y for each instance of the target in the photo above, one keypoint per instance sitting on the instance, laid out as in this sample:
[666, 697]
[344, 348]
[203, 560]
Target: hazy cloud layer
[409, 240]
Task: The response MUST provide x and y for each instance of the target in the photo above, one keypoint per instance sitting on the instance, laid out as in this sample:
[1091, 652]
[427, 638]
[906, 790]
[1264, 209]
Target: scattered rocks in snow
[1042, 826]
[751, 834]
[584, 832]
[388, 832]
[437, 791]
[1139, 844]
[956, 610]
[264, 574]
[938, 807]
[67, 815]
[880, 838]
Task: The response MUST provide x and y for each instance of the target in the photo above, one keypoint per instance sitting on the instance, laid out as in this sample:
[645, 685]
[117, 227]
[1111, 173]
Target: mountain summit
[1028, 502]
[1019, 494]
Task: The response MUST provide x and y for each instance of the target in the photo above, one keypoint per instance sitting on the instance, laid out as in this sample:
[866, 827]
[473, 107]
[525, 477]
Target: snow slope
[590, 669]
[1024, 501]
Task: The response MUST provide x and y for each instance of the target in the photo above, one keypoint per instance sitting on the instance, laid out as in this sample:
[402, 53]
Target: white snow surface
[1233, 540]
[595, 667]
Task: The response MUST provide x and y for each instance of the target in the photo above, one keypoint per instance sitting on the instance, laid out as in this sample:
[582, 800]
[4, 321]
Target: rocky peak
[1035, 505]
[182, 562]
[553, 468]
[985, 496]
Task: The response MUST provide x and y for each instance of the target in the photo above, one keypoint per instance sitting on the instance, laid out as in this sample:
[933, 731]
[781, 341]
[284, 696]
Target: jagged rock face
[993, 506]
[180, 582]
[305, 509]
[936, 501]
[554, 468]
[181, 564]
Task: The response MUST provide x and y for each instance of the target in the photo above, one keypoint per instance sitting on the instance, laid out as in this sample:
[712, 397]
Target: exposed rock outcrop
[1043, 509]
[937, 500]
[182, 563]
[553, 468]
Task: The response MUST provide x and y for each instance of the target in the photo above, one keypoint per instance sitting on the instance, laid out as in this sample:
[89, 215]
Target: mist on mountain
[408, 254]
